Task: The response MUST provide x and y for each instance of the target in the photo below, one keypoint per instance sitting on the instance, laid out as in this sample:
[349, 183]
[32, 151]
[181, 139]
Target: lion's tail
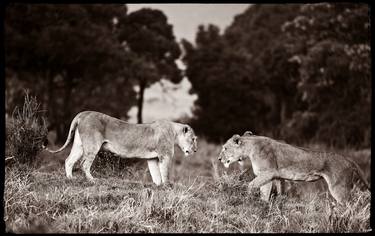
[360, 173]
[72, 128]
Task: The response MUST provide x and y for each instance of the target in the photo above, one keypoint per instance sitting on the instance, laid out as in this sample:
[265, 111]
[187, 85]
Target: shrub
[26, 131]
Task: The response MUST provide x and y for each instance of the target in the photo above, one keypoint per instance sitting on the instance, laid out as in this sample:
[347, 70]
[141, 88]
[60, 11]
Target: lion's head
[187, 140]
[232, 151]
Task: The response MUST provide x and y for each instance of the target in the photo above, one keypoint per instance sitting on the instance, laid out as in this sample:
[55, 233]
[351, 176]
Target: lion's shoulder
[257, 140]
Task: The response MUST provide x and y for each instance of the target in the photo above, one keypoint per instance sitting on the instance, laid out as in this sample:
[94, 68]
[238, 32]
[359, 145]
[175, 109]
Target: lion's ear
[185, 129]
[237, 139]
[248, 133]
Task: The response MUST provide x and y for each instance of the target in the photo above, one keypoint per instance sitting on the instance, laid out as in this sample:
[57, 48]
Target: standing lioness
[154, 141]
[272, 159]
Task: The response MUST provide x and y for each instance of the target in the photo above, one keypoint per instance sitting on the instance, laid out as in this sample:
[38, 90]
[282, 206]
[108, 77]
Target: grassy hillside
[204, 197]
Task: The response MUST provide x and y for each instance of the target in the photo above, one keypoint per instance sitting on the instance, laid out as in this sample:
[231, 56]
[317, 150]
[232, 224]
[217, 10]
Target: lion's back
[93, 121]
[121, 132]
[287, 155]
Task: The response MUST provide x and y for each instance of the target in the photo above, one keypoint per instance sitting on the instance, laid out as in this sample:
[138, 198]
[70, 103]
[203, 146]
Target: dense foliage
[66, 55]
[296, 72]
[85, 57]
[299, 72]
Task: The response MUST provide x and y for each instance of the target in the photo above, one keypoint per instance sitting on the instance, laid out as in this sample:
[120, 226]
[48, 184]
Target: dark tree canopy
[149, 39]
[234, 90]
[299, 72]
[335, 77]
[56, 49]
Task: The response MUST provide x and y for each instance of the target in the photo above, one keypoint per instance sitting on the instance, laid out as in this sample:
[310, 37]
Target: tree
[149, 39]
[333, 48]
[55, 49]
[243, 78]
[258, 32]
[221, 77]
[295, 72]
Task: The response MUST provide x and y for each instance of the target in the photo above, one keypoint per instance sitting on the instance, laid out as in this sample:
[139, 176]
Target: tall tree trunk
[142, 87]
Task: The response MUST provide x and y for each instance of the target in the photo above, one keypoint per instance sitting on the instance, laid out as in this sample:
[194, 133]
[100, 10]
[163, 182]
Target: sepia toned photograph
[187, 118]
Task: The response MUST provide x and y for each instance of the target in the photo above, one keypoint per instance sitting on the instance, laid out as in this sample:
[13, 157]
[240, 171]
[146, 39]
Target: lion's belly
[129, 152]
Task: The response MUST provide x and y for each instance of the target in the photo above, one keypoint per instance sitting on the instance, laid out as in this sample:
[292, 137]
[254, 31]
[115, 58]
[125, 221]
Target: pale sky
[165, 100]
[185, 18]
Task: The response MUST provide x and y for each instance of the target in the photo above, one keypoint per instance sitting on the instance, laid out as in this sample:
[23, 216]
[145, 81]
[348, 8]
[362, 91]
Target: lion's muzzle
[221, 156]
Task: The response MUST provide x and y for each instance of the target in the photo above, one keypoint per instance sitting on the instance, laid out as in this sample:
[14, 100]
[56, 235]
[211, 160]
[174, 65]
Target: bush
[26, 132]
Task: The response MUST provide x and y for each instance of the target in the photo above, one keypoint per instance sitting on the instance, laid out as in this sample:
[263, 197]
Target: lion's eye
[228, 161]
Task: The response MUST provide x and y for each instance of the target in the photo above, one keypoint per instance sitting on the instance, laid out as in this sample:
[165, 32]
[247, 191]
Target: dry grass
[26, 131]
[205, 197]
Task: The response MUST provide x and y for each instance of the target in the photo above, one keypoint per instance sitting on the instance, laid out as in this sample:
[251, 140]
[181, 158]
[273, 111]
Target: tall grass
[204, 197]
[26, 131]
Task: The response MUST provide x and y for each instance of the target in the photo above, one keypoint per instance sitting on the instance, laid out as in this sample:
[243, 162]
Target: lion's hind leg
[91, 147]
[339, 188]
[74, 156]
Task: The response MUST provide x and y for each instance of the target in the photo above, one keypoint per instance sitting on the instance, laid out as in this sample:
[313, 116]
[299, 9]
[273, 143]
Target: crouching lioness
[274, 160]
[154, 142]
